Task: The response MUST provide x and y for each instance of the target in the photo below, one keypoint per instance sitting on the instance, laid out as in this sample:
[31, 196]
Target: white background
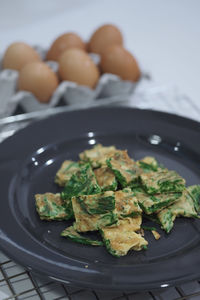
[163, 35]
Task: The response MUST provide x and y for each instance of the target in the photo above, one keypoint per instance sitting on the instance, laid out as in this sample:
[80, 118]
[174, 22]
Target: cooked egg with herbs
[77, 66]
[119, 61]
[108, 192]
[18, 55]
[39, 79]
[64, 42]
[103, 37]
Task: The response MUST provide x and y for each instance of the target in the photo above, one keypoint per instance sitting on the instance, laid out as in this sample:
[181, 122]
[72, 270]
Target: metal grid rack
[18, 283]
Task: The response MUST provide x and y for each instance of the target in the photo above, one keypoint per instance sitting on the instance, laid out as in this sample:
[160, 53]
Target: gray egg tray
[69, 93]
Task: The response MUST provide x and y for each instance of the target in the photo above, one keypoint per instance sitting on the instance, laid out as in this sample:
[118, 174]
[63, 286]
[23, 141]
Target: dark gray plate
[28, 163]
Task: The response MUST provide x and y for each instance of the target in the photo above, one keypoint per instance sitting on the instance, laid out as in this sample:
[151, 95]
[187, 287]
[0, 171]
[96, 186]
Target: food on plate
[73, 235]
[156, 234]
[148, 163]
[194, 191]
[126, 204]
[94, 211]
[117, 60]
[162, 181]
[109, 193]
[103, 37]
[105, 179]
[51, 207]
[124, 168]
[67, 169]
[64, 42]
[153, 230]
[185, 206]
[83, 182]
[97, 156]
[77, 66]
[120, 238]
[154, 203]
[18, 55]
[39, 79]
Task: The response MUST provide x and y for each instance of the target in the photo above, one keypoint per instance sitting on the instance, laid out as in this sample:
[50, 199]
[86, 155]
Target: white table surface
[163, 35]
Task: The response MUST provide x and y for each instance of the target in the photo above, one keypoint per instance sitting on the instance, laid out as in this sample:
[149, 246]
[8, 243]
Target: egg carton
[67, 93]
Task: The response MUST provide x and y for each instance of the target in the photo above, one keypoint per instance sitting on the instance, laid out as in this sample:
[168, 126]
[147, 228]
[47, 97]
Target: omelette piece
[83, 182]
[97, 155]
[194, 191]
[148, 164]
[98, 203]
[51, 207]
[185, 207]
[153, 203]
[94, 211]
[135, 222]
[124, 168]
[156, 234]
[121, 238]
[73, 235]
[153, 231]
[126, 204]
[67, 169]
[105, 179]
[162, 181]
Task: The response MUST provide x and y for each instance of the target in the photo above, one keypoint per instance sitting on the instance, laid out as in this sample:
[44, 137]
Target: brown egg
[64, 42]
[103, 37]
[119, 61]
[76, 65]
[39, 79]
[18, 55]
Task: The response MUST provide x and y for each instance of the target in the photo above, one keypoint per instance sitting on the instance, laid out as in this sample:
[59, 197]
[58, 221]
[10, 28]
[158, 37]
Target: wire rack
[18, 283]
